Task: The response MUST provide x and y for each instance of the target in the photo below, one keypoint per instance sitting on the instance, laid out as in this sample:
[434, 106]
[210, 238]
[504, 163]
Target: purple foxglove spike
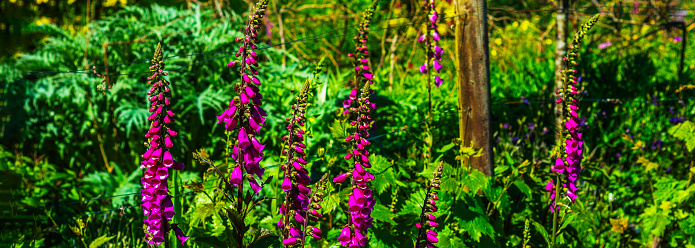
[418, 225]
[348, 156]
[158, 238]
[316, 236]
[435, 35]
[432, 223]
[152, 117]
[431, 217]
[235, 179]
[438, 52]
[550, 186]
[352, 205]
[354, 243]
[167, 119]
[364, 158]
[421, 39]
[303, 178]
[574, 114]
[250, 92]
[231, 124]
[368, 75]
[436, 65]
[423, 68]
[345, 236]
[433, 17]
[244, 98]
[159, 110]
[286, 184]
[253, 70]
[364, 61]
[438, 81]
[170, 113]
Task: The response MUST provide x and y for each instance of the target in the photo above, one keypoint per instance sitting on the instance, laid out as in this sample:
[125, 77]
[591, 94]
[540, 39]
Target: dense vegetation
[74, 114]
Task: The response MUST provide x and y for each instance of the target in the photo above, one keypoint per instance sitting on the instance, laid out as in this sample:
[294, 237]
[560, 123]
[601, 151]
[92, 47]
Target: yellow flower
[498, 41]
[548, 41]
[493, 53]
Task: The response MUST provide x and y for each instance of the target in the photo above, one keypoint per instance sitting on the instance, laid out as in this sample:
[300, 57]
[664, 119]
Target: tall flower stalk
[433, 52]
[568, 153]
[245, 115]
[358, 108]
[157, 203]
[426, 236]
[299, 205]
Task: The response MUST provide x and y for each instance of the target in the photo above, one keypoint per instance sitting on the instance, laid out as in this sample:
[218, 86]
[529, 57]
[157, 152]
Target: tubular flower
[245, 115]
[431, 40]
[426, 236]
[361, 202]
[299, 205]
[568, 154]
[157, 204]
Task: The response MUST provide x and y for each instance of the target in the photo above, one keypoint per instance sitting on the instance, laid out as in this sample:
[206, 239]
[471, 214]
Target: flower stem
[555, 211]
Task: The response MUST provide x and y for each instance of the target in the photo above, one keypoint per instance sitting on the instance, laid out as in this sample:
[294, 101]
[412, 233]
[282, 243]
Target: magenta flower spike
[433, 51]
[569, 151]
[358, 108]
[244, 117]
[157, 204]
[426, 236]
[300, 205]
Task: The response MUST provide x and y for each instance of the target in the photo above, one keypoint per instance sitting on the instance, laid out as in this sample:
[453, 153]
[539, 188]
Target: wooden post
[560, 51]
[473, 80]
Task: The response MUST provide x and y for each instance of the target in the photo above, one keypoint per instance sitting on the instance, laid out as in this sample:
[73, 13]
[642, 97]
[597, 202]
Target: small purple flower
[677, 39]
[515, 140]
[531, 126]
[604, 45]
[617, 155]
[505, 125]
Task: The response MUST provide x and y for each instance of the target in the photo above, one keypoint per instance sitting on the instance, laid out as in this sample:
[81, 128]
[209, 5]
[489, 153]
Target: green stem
[555, 211]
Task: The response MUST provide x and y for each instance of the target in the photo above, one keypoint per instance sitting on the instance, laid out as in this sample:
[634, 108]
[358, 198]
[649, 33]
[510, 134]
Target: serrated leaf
[685, 131]
[100, 241]
[331, 202]
[338, 130]
[382, 213]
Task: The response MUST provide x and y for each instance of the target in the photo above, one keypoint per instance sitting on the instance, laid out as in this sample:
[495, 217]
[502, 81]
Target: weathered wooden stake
[473, 80]
[560, 51]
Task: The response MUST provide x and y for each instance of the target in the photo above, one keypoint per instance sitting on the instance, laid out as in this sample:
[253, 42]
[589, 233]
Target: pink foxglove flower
[157, 203]
[300, 205]
[245, 115]
[569, 152]
[361, 201]
[433, 51]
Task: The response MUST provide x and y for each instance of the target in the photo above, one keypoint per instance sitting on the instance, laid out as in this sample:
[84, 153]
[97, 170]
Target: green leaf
[475, 181]
[523, 187]
[210, 242]
[541, 229]
[331, 202]
[446, 148]
[685, 131]
[338, 130]
[265, 241]
[100, 241]
[382, 213]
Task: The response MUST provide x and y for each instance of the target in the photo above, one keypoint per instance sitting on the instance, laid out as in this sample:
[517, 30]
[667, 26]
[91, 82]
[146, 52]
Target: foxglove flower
[157, 204]
[245, 115]
[300, 204]
[431, 40]
[358, 108]
[569, 153]
[426, 236]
